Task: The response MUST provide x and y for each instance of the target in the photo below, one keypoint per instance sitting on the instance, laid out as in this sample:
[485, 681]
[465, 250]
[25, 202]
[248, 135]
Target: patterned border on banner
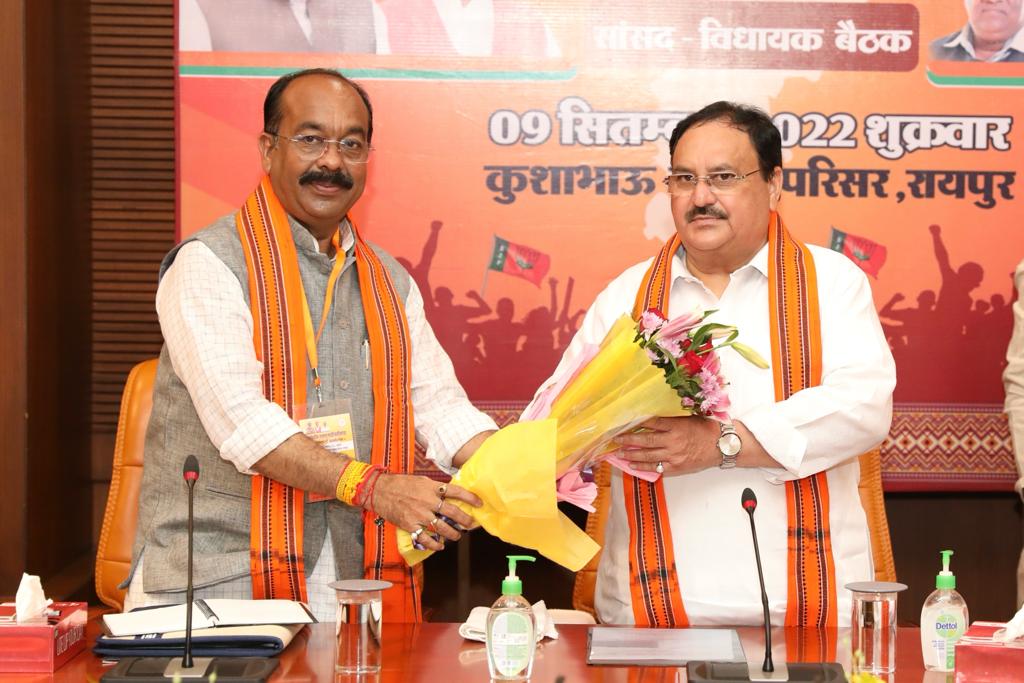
[930, 447]
[933, 447]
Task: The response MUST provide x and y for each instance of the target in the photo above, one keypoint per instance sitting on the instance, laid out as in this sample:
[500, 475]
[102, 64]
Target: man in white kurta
[722, 221]
[1013, 381]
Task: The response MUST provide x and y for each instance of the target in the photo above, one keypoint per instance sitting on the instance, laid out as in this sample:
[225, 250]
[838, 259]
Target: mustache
[710, 211]
[338, 177]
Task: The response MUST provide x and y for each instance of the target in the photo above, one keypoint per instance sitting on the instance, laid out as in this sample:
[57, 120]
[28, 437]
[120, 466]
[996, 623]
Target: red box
[43, 645]
[979, 659]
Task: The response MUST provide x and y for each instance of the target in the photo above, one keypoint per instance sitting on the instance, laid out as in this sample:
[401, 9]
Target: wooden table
[435, 652]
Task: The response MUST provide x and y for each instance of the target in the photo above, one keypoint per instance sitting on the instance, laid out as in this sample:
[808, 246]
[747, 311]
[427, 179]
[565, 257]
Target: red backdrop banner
[545, 125]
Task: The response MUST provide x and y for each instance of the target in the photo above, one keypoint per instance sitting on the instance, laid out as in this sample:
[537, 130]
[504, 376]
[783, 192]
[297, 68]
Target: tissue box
[979, 659]
[43, 645]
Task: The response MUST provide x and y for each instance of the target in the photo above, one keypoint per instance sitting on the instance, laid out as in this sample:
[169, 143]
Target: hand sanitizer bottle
[943, 620]
[511, 629]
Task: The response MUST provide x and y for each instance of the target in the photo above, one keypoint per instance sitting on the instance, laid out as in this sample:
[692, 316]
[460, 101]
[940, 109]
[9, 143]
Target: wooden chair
[114, 554]
[870, 488]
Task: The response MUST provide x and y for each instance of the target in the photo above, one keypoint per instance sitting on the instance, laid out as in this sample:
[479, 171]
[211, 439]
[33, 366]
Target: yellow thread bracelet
[349, 481]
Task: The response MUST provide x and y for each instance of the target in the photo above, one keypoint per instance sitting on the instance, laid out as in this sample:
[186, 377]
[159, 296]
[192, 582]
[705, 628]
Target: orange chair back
[114, 554]
[870, 489]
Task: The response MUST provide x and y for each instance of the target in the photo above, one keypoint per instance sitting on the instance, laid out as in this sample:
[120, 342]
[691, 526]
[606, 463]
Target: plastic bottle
[511, 629]
[943, 620]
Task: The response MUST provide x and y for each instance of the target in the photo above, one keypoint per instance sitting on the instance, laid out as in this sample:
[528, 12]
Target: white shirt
[965, 40]
[1013, 380]
[820, 428]
[208, 329]
[469, 26]
[194, 32]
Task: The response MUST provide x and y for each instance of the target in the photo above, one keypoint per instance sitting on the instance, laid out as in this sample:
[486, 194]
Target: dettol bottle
[943, 620]
[511, 629]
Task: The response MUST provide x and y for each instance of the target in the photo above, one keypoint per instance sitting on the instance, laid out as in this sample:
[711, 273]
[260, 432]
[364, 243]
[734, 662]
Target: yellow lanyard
[313, 339]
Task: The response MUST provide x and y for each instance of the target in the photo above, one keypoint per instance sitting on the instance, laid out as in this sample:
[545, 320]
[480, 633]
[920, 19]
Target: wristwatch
[729, 446]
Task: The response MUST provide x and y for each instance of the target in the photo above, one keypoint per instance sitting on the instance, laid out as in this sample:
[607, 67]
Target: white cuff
[783, 442]
[452, 434]
[263, 430]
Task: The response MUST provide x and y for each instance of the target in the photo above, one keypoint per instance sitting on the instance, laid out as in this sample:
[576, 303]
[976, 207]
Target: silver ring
[660, 469]
[416, 534]
[432, 524]
[440, 503]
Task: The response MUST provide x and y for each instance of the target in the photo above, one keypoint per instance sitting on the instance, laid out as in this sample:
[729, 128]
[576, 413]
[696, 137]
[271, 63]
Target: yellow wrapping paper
[513, 473]
[516, 469]
[616, 391]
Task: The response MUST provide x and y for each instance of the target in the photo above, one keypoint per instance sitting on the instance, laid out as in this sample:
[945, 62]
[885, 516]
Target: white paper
[227, 612]
[30, 602]
[662, 646]
[475, 627]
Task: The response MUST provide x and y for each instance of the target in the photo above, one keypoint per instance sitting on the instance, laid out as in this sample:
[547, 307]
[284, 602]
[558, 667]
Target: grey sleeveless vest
[222, 494]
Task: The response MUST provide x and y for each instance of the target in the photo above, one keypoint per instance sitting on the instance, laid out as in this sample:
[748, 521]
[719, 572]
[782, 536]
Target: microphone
[190, 471]
[159, 669]
[725, 672]
[749, 502]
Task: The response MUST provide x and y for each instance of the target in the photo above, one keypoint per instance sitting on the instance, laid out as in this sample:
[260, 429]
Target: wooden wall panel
[57, 187]
[133, 200]
[13, 305]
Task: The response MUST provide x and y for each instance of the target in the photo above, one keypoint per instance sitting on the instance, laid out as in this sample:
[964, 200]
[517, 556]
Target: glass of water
[360, 608]
[873, 625]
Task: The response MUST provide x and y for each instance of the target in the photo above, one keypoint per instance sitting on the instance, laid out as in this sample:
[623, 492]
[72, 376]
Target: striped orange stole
[796, 364]
[277, 301]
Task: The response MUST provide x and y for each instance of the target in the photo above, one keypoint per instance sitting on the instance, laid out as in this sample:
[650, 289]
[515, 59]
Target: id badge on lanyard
[329, 423]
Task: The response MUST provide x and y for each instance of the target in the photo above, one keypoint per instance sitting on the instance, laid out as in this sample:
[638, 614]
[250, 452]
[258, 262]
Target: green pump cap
[512, 585]
[945, 579]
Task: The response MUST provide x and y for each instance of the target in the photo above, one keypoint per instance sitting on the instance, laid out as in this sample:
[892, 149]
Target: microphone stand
[767, 672]
[187, 667]
[768, 666]
[160, 669]
[729, 672]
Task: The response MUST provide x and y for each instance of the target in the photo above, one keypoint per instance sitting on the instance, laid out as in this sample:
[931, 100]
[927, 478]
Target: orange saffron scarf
[796, 365]
[277, 304]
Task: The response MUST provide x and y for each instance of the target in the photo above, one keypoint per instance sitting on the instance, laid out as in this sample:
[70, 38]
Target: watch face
[729, 444]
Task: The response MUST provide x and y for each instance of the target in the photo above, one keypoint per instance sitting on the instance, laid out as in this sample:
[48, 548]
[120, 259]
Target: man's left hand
[682, 445]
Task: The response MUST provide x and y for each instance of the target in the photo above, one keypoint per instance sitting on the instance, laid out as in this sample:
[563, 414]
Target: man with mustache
[280, 321]
[994, 33]
[678, 551]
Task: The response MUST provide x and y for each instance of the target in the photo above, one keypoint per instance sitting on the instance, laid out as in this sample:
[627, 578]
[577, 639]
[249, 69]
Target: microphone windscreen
[749, 500]
[191, 469]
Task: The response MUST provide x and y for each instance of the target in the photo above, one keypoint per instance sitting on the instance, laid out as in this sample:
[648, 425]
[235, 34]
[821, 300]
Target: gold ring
[442, 490]
[440, 503]
[433, 524]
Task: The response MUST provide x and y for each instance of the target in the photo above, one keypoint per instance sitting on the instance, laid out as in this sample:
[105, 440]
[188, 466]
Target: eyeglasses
[312, 147]
[683, 184]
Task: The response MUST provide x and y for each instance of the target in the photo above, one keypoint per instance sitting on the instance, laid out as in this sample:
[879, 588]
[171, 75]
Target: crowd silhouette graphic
[950, 347]
[497, 356]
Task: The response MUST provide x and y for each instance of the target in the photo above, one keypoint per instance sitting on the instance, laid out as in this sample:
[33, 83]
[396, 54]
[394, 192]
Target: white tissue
[1014, 628]
[475, 627]
[29, 602]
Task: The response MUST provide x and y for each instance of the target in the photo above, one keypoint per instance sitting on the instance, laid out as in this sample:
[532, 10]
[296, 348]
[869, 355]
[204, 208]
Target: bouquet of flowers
[667, 368]
[651, 368]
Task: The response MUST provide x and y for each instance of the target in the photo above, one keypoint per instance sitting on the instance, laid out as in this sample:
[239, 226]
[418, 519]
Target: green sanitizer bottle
[511, 629]
[943, 620]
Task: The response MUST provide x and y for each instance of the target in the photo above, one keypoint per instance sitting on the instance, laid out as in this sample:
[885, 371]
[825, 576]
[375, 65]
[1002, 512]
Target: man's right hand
[412, 502]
